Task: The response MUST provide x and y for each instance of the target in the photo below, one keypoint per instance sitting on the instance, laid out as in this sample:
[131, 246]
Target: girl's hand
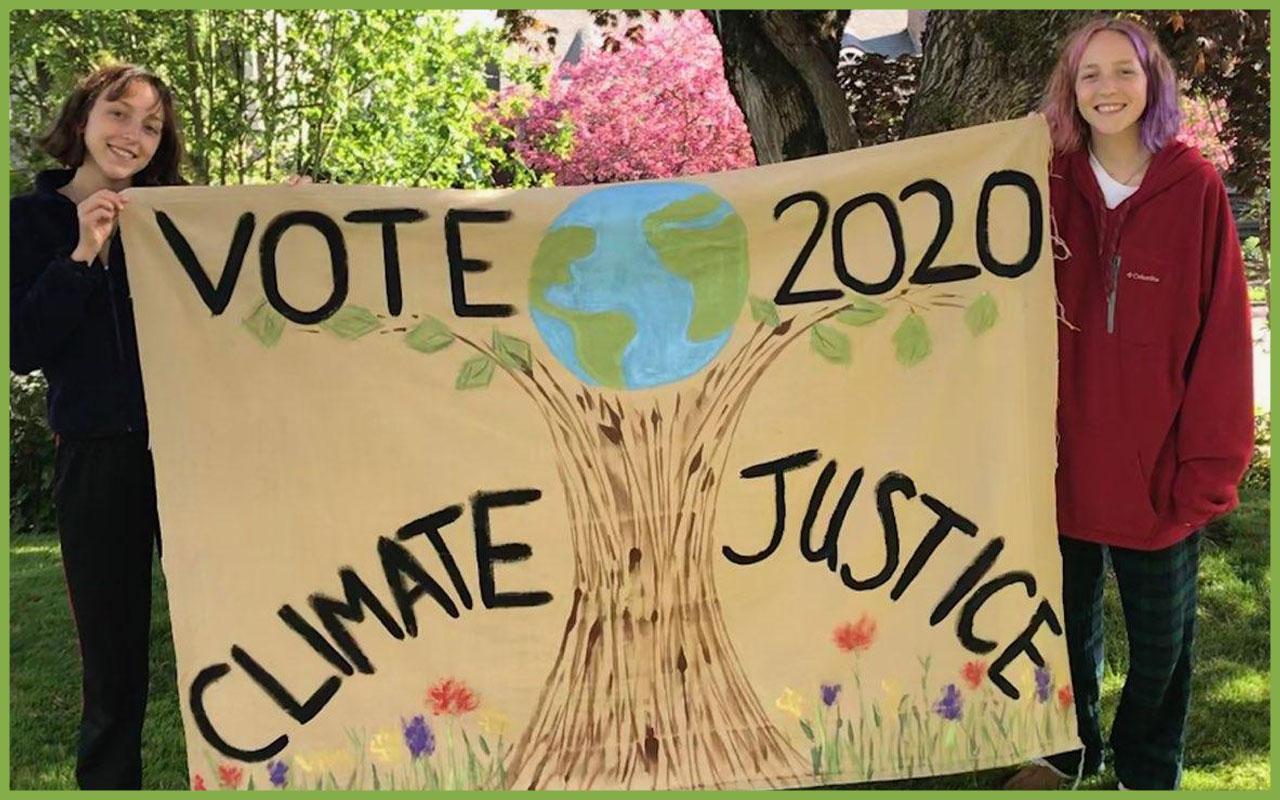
[98, 214]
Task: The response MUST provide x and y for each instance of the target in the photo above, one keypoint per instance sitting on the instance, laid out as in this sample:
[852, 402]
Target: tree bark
[985, 66]
[781, 68]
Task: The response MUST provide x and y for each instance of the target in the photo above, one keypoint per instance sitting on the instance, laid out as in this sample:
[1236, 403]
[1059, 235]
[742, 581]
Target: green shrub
[30, 457]
[1258, 476]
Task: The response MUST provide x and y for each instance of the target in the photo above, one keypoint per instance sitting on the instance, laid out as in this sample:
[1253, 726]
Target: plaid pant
[1158, 594]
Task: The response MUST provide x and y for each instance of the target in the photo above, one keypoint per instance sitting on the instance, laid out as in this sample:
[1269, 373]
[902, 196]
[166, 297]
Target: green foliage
[379, 97]
[513, 352]
[982, 314]
[31, 455]
[351, 322]
[830, 343]
[1258, 476]
[476, 373]
[764, 311]
[266, 324]
[911, 340]
[429, 336]
[861, 312]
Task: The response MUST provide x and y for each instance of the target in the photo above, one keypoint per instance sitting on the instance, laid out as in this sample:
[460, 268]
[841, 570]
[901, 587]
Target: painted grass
[1227, 744]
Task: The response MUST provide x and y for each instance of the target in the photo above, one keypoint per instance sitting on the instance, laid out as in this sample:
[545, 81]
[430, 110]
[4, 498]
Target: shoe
[1036, 776]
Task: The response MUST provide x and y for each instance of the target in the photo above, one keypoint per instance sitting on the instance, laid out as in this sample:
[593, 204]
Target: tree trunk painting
[647, 690]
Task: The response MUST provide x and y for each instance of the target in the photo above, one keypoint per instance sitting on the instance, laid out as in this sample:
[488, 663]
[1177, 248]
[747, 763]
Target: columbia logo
[1138, 276]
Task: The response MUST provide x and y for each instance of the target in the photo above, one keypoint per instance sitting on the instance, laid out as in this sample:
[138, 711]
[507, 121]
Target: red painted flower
[973, 673]
[229, 776]
[855, 636]
[452, 697]
[197, 785]
[1066, 697]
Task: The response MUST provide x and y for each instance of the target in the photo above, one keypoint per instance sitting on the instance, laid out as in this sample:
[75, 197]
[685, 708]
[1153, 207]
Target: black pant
[104, 489]
[1158, 596]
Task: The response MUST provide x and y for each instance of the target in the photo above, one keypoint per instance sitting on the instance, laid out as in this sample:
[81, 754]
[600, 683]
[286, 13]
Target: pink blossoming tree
[654, 108]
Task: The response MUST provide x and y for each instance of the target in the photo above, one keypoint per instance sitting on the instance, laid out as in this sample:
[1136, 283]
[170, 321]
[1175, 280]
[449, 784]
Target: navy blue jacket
[73, 321]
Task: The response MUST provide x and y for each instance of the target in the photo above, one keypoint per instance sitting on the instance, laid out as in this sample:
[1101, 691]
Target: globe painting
[639, 285]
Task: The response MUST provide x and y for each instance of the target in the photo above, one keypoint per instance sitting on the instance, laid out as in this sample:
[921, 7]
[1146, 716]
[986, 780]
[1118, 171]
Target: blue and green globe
[639, 285]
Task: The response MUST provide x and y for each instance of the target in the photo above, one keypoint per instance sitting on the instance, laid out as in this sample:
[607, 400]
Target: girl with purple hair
[1155, 409]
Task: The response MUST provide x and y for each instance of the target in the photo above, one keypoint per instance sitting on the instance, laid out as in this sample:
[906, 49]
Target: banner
[737, 480]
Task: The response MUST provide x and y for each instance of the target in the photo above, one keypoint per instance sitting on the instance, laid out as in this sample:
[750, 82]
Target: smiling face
[121, 135]
[1111, 87]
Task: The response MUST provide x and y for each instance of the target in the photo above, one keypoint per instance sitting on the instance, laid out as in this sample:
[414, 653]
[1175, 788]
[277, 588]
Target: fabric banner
[738, 480]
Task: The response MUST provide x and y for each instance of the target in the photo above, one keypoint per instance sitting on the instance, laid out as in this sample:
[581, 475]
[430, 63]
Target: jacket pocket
[1103, 484]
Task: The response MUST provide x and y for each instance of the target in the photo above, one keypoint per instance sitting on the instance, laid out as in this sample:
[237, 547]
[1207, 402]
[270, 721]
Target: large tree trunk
[647, 690]
[781, 68]
[985, 66]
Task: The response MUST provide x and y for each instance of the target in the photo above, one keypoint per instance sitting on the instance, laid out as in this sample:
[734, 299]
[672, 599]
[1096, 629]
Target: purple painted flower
[418, 737]
[830, 691]
[278, 772]
[950, 706]
[1044, 684]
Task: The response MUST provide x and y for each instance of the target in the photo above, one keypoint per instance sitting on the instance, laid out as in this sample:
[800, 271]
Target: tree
[652, 107]
[355, 96]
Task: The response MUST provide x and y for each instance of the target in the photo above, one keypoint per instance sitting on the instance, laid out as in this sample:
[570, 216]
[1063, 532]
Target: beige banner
[740, 480]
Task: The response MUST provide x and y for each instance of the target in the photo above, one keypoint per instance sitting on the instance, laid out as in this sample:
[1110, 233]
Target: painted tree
[652, 107]
[646, 689]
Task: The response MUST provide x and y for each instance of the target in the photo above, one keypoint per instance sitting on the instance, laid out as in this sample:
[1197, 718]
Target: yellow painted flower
[892, 693]
[321, 762]
[494, 723]
[311, 763]
[1026, 682]
[386, 747]
[791, 702]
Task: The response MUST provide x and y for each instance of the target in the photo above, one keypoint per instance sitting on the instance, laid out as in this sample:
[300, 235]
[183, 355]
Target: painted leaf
[512, 351]
[429, 336]
[831, 344]
[266, 324]
[861, 312]
[351, 322]
[764, 311]
[475, 373]
[911, 340]
[808, 731]
[982, 314]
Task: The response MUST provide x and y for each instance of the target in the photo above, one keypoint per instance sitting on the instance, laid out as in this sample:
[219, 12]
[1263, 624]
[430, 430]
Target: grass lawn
[1227, 745]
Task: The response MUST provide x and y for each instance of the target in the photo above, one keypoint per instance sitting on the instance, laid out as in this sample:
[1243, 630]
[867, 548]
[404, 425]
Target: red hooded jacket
[1155, 391]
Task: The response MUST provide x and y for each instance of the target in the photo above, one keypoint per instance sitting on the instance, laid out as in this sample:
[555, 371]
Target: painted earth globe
[639, 285]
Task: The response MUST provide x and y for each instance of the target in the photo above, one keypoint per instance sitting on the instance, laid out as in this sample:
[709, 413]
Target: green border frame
[740, 4]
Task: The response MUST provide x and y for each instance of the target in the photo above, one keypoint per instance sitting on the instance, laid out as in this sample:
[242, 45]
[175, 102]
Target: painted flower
[950, 705]
[1066, 697]
[418, 737]
[830, 691]
[1044, 684]
[853, 637]
[892, 693]
[385, 747]
[197, 785]
[973, 673]
[494, 723]
[791, 702]
[229, 776]
[452, 697]
[1026, 681]
[278, 773]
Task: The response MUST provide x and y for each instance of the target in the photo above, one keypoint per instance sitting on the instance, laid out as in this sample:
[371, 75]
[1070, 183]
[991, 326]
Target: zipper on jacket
[1111, 295]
